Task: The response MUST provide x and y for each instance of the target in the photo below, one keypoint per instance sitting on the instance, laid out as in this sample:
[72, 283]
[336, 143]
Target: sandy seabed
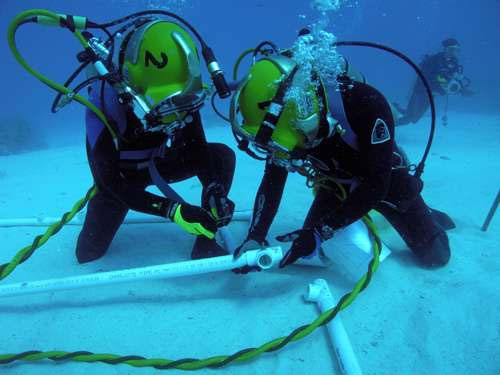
[408, 321]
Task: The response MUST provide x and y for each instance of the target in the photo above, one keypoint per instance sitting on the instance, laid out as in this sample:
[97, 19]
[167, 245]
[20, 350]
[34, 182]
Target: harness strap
[337, 111]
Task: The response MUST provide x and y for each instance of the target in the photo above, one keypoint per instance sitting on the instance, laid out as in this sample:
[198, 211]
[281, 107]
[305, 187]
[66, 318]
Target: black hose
[262, 44]
[420, 167]
[162, 12]
[85, 83]
[110, 42]
[59, 95]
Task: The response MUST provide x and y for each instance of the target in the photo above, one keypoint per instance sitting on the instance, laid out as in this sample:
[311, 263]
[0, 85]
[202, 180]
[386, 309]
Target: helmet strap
[274, 110]
[324, 130]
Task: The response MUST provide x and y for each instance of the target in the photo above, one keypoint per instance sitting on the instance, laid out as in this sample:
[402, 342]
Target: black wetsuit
[122, 176]
[438, 69]
[372, 176]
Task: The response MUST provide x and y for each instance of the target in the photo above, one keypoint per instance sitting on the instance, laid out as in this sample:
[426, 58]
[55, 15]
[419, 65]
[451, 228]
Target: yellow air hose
[44, 17]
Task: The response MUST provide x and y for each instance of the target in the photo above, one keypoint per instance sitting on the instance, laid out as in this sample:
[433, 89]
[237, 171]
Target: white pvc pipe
[351, 249]
[265, 259]
[319, 292]
[80, 217]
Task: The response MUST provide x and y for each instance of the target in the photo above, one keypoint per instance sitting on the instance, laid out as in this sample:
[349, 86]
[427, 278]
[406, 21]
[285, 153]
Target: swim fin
[442, 219]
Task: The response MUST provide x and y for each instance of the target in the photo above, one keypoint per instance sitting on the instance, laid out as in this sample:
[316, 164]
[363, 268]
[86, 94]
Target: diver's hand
[222, 210]
[248, 244]
[193, 219]
[221, 207]
[306, 243]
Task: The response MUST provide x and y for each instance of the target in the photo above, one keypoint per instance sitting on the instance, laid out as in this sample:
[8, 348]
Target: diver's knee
[225, 153]
[225, 162]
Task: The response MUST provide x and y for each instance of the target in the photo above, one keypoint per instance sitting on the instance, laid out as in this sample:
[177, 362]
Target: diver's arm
[368, 113]
[104, 162]
[267, 201]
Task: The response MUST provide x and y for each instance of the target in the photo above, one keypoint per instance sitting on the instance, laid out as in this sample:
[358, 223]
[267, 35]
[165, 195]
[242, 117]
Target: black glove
[221, 207]
[306, 243]
[193, 219]
[248, 244]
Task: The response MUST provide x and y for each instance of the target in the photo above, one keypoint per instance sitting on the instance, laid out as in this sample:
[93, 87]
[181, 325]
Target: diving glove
[305, 244]
[248, 244]
[221, 207]
[193, 219]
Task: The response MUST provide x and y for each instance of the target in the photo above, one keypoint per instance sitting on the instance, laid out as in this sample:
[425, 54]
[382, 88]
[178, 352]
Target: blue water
[415, 28]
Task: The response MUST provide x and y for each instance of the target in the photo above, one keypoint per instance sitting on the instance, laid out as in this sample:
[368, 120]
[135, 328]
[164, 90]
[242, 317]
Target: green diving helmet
[278, 112]
[160, 68]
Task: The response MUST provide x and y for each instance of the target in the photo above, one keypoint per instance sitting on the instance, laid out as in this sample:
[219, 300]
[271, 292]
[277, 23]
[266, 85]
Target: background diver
[445, 76]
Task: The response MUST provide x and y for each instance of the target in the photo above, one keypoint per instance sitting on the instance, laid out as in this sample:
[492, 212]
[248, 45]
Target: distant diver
[445, 75]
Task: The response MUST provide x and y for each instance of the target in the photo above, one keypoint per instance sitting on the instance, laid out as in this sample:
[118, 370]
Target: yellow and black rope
[25, 253]
[188, 364]
[211, 362]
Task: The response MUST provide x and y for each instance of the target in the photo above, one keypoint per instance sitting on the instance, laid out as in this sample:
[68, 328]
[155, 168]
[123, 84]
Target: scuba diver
[445, 76]
[340, 136]
[153, 99]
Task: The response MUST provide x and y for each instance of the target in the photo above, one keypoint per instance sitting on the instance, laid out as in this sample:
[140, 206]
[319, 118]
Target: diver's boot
[435, 252]
[86, 251]
[206, 248]
[442, 219]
